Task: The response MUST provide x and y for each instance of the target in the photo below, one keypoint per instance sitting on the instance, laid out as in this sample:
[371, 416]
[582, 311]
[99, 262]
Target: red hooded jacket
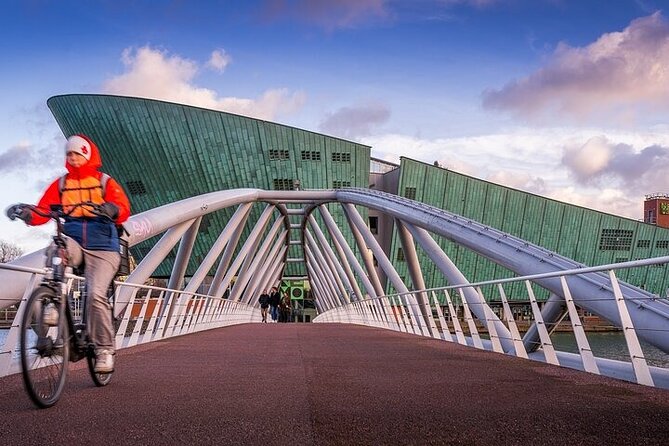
[91, 233]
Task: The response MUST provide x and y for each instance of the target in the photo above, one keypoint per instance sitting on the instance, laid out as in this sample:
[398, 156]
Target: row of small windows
[308, 155]
[645, 243]
[336, 184]
[410, 193]
[277, 154]
[342, 157]
[136, 187]
[621, 240]
[284, 184]
[291, 184]
[616, 240]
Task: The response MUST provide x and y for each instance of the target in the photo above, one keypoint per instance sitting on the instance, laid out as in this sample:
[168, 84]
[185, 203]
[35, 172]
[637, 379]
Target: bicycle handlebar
[57, 211]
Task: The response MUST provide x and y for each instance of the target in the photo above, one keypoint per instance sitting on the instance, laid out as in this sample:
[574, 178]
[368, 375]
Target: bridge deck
[332, 384]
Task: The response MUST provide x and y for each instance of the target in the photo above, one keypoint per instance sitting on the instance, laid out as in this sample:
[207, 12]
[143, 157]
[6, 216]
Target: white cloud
[16, 157]
[609, 200]
[619, 76]
[152, 73]
[355, 121]
[219, 60]
[613, 177]
[589, 159]
[519, 180]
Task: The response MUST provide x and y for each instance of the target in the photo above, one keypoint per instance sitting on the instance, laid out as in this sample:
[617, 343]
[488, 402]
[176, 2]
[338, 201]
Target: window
[662, 244]
[643, 243]
[341, 157]
[275, 154]
[310, 155]
[136, 187]
[616, 240]
[374, 225]
[400, 255]
[336, 184]
[621, 259]
[410, 193]
[651, 217]
[283, 184]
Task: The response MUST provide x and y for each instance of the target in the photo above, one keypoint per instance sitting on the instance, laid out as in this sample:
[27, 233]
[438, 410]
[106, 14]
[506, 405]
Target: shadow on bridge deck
[315, 384]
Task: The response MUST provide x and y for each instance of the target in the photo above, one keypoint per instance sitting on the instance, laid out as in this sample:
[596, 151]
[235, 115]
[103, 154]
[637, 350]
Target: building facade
[163, 152]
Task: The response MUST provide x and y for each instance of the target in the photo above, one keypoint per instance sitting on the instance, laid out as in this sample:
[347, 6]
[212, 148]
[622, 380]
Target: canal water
[603, 344]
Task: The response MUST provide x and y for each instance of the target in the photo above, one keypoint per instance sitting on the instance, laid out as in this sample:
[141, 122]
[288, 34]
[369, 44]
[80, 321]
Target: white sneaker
[50, 314]
[104, 361]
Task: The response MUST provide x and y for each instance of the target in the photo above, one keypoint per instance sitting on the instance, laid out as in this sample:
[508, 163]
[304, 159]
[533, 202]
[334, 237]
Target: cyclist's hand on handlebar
[19, 211]
[109, 210]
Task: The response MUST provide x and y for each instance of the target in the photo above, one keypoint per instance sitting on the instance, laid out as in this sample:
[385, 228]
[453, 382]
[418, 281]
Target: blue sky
[566, 99]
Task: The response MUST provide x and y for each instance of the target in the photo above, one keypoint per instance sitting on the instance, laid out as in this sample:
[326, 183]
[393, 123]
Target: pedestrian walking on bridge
[274, 301]
[264, 305]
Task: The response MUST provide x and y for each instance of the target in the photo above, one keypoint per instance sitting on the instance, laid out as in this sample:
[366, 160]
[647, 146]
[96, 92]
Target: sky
[568, 99]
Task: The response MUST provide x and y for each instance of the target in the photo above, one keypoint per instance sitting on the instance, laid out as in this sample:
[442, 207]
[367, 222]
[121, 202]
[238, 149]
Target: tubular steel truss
[344, 276]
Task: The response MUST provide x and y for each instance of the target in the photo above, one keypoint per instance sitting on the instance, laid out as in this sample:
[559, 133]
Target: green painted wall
[163, 152]
[572, 231]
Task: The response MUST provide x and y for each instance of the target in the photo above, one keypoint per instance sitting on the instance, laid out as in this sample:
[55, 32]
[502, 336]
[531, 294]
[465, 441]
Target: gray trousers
[100, 269]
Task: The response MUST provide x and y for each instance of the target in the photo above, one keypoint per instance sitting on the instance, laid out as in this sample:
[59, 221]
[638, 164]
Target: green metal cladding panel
[572, 231]
[176, 151]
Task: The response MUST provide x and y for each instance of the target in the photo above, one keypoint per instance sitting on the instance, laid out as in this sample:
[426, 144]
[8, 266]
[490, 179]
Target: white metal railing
[445, 314]
[153, 313]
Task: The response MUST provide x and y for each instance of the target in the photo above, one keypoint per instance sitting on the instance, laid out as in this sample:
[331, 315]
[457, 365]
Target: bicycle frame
[70, 342]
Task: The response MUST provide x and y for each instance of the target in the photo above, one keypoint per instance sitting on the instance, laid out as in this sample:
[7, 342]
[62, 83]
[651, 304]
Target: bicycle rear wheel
[44, 350]
[100, 379]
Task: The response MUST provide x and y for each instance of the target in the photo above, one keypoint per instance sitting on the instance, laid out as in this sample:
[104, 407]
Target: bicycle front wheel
[44, 348]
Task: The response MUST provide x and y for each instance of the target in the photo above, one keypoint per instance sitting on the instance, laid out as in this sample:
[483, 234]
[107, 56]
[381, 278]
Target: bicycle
[45, 346]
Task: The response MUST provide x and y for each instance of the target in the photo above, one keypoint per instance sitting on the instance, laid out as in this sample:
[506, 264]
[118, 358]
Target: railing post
[489, 321]
[459, 335]
[473, 332]
[7, 352]
[442, 321]
[589, 363]
[513, 328]
[139, 321]
[639, 364]
[546, 344]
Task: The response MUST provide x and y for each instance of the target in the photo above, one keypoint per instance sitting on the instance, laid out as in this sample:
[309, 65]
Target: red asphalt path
[327, 384]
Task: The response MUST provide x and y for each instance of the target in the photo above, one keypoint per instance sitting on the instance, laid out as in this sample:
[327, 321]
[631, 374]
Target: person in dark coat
[274, 301]
[264, 305]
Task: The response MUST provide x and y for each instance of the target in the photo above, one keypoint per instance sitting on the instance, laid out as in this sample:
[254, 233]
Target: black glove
[19, 211]
[109, 210]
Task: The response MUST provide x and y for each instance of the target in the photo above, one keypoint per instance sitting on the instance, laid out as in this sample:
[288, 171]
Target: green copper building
[163, 152]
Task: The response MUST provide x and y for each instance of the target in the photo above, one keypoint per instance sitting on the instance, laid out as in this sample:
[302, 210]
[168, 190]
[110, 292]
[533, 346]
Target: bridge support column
[343, 270]
[416, 274]
[455, 277]
[236, 224]
[356, 222]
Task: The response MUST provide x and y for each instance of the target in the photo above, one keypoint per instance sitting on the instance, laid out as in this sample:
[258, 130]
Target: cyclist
[91, 238]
